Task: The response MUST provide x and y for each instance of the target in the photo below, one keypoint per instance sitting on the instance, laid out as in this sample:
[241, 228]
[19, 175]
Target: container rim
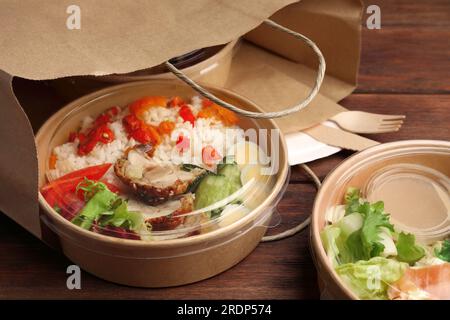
[345, 166]
[212, 235]
[226, 48]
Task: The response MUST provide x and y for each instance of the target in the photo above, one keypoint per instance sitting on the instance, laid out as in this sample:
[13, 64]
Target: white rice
[157, 114]
[205, 132]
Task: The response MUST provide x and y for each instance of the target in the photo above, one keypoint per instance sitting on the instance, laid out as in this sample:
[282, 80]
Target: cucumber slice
[233, 173]
[215, 187]
[226, 160]
[212, 189]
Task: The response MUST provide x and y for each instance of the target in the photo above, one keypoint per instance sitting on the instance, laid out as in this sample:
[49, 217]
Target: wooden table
[405, 69]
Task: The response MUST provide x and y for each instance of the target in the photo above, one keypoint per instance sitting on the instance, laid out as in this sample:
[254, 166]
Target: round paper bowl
[158, 263]
[356, 172]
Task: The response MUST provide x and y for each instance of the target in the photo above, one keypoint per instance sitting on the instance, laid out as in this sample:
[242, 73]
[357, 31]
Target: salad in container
[381, 224]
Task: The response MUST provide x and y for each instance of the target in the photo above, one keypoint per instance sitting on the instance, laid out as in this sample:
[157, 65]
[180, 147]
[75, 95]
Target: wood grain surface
[405, 69]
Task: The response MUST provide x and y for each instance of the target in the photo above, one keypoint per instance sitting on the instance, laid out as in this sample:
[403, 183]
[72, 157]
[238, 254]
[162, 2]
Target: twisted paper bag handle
[263, 115]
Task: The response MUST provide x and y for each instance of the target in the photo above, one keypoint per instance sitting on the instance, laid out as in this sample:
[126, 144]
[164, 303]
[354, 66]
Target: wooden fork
[366, 122]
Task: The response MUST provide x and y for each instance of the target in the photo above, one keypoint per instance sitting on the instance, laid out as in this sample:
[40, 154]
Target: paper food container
[153, 263]
[410, 177]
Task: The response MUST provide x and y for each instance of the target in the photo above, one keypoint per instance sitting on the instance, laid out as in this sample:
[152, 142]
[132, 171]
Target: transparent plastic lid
[160, 168]
[423, 205]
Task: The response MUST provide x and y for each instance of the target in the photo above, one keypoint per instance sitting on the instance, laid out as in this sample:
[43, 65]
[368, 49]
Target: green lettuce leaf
[330, 238]
[99, 204]
[352, 200]
[407, 249]
[121, 217]
[364, 243]
[375, 218]
[444, 252]
[371, 279]
[355, 249]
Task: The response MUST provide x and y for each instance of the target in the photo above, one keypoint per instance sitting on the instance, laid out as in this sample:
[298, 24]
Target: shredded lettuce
[371, 279]
[407, 249]
[106, 208]
[330, 238]
[360, 243]
[122, 217]
[99, 204]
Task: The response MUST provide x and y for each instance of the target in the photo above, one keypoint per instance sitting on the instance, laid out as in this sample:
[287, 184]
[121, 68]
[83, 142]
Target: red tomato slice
[70, 181]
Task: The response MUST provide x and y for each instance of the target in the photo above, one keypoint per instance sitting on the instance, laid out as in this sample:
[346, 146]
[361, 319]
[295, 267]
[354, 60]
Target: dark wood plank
[401, 59]
[427, 117]
[281, 270]
[413, 13]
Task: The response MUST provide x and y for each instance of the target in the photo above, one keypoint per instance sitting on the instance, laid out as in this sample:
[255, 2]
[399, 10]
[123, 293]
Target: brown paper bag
[270, 68]
[275, 81]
